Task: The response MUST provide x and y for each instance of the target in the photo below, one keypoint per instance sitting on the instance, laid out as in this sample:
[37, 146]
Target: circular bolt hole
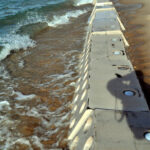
[117, 53]
[147, 136]
[114, 65]
[129, 93]
[118, 75]
[114, 40]
[123, 53]
[113, 45]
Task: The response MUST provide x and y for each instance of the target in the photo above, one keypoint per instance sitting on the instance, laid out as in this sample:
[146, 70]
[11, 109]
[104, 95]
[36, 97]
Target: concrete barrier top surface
[117, 115]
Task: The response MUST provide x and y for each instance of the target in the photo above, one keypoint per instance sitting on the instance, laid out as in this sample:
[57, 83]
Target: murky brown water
[39, 84]
[135, 16]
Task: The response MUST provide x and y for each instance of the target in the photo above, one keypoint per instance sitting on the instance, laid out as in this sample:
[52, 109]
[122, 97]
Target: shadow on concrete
[144, 85]
[137, 120]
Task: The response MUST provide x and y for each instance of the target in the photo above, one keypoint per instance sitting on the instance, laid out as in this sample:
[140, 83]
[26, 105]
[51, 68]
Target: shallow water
[37, 86]
[21, 20]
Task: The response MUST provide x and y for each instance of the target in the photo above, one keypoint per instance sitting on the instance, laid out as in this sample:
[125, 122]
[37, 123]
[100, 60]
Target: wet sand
[135, 15]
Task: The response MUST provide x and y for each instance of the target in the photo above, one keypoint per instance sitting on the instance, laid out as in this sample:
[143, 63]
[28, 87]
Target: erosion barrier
[109, 110]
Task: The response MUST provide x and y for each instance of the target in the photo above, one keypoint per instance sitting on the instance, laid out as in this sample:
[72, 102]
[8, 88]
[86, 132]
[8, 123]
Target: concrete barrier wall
[82, 134]
[82, 123]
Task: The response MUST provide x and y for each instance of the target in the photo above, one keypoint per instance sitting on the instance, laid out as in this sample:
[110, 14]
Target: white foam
[32, 17]
[6, 146]
[61, 76]
[20, 96]
[33, 112]
[82, 2]
[3, 73]
[72, 84]
[21, 64]
[37, 142]
[17, 106]
[63, 118]
[64, 19]
[4, 106]
[14, 42]
[23, 141]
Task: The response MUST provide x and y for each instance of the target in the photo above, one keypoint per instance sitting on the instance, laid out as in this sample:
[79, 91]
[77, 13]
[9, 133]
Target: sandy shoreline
[135, 16]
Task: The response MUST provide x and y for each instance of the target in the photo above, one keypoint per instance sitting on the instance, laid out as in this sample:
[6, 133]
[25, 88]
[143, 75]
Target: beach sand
[135, 15]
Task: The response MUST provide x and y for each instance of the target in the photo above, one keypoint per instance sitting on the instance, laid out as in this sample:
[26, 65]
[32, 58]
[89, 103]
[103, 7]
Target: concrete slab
[117, 130]
[103, 5]
[105, 14]
[110, 77]
[102, 1]
[116, 115]
[105, 45]
[105, 24]
[108, 92]
[105, 20]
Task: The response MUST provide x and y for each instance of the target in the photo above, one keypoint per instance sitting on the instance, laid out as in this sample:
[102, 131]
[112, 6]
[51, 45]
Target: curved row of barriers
[107, 94]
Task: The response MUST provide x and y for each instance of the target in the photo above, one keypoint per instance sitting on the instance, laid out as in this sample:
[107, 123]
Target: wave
[16, 31]
[14, 42]
[21, 39]
[4, 106]
[82, 2]
[64, 19]
[21, 96]
[11, 7]
[34, 18]
[19, 35]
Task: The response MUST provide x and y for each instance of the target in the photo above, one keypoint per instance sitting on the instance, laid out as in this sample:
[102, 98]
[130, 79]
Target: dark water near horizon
[21, 20]
[40, 45]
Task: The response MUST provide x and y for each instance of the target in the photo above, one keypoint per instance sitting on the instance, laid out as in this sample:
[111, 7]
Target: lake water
[40, 46]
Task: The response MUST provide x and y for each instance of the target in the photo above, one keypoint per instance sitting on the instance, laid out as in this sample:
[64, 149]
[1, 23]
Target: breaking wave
[64, 19]
[14, 42]
[82, 2]
[17, 30]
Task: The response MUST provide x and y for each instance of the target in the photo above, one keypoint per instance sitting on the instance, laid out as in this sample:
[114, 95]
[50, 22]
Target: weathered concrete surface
[106, 87]
[105, 20]
[111, 72]
[120, 120]
[117, 130]
[104, 118]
